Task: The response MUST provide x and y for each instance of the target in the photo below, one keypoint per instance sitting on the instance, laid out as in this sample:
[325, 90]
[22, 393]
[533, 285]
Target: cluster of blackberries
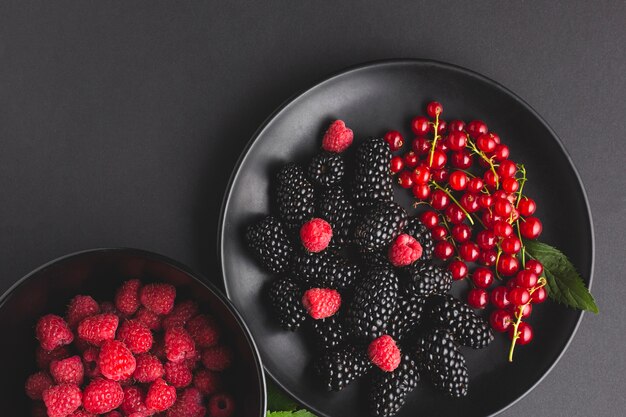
[356, 271]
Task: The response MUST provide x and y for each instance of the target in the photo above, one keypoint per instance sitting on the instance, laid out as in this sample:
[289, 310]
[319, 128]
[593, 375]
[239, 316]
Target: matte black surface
[372, 99]
[120, 123]
[98, 273]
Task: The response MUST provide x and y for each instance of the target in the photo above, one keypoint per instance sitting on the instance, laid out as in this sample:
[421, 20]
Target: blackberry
[421, 233]
[324, 269]
[378, 259]
[326, 169]
[295, 197]
[333, 206]
[440, 358]
[337, 368]
[407, 317]
[373, 304]
[468, 329]
[328, 333]
[379, 226]
[389, 389]
[427, 279]
[286, 301]
[372, 179]
[269, 242]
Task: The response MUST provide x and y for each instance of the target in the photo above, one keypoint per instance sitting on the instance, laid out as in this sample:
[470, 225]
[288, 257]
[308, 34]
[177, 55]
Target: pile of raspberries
[142, 355]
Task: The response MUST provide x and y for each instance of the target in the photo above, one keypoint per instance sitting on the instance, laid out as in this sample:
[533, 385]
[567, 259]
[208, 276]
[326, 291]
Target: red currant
[444, 250]
[485, 201]
[524, 331]
[478, 298]
[438, 161]
[456, 126]
[526, 279]
[502, 228]
[526, 206]
[510, 185]
[469, 202]
[440, 175]
[530, 228]
[490, 178]
[486, 143]
[394, 139]
[511, 244]
[535, 266]
[475, 185]
[434, 109]
[476, 128]
[501, 152]
[507, 169]
[482, 277]
[519, 296]
[458, 180]
[461, 232]
[421, 191]
[458, 269]
[489, 218]
[487, 257]
[430, 219]
[421, 174]
[454, 214]
[405, 179]
[397, 163]
[500, 194]
[495, 137]
[486, 239]
[524, 310]
[507, 265]
[439, 232]
[462, 159]
[539, 295]
[442, 127]
[500, 320]
[502, 207]
[420, 146]
[439, 200]
[411, 159]
[500, 297]
[469, 251]
[420, 125]
[457, 140]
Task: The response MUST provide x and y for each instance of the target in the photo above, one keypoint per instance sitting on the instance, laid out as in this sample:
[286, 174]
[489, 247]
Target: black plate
[372, 99]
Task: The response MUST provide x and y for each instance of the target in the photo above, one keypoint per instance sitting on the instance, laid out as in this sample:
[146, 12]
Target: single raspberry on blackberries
[404, 250]
[62, 399]
[416, 228]
[96, 329]
[269, 242]
[441, 359]
[326, 169]
[217, 358]
[178, 344]
[334, 206]
[80, 307]
[158, 297]
[68, 371]
[388, 390]
[372, 180]
[181, 313]
[407, 317]
[148, 368]
[127, 297]
[221, 405]
[384, 353]
[161, 396]
[204, 331]
[321, 303]
[426, 279]
[338, 137]
[337, 368]
[316, 234]
[37, 383]
[295, 196]
[178, 374]
[325, 270]
[136, 336]
[134, 400]
[52, 331]
[102, 396]
[382, 223]
[116, 361]
[329, 333]
[468, 329]
[286, 302]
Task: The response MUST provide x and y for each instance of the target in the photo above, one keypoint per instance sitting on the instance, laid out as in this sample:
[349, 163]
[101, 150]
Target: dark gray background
[120, 123]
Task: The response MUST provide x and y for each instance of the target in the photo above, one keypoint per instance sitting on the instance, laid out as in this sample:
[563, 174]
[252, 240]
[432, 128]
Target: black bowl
[98, 272]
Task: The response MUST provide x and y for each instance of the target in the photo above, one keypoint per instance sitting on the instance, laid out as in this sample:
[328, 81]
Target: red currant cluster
[476, 213]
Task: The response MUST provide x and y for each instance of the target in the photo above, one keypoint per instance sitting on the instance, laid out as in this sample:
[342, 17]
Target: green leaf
[299, 413]
[278, 400]
[564, 284]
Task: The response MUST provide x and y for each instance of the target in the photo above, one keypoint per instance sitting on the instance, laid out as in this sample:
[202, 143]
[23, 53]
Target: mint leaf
[278, 400]
[299, 413]
[564, 283]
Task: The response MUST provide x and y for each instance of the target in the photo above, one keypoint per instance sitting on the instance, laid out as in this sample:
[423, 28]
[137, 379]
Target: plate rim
[402, 62]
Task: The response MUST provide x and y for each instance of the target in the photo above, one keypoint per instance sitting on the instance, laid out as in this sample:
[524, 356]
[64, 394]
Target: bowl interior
[98, 273]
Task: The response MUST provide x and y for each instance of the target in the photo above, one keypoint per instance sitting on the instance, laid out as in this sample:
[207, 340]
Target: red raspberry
[337, 138]
[193, 362]
[136, 336]
[149, 368]
[221, 405]
[384, 353]
[81, 413]
[36, 384]
[80, 307]
[204, 331]
[316, 235]
[189, 404]
[52, 331]
[217, 358]
[69, 371]
[62, 399]
[160, 396]
[116, 361]
[44, 357]
[108, 307]
[127, 297]
[206, 382]
[90, 362]
[158, 298]
[114, 413]
[181, 313]
[321, 302]
[151, 320]
[178, 344]
[96, 329]
[134, 401]
[102, 396]
[405, 250]
[178, 374]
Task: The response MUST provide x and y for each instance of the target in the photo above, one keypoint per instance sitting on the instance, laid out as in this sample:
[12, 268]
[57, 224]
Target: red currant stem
[469, 217]
[519, 236]
[519, 313]
[497, 259]
[418, 203]
[522, 181]
[432, 148]
[447, 226]
[469, 174]
[480, 153]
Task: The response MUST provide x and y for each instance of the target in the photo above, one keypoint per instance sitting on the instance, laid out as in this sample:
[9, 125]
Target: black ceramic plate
[372, 99]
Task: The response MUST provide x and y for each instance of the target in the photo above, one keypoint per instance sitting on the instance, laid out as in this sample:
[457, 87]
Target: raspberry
[337, 138]
[81, 413]
[189, 404]
[316, 235]
[108, 307]
[384, 353]
[217, 358]
[36, 384]
[44, 357]
[114, 413]
[90, 362]
[160, 396]
[62, 399]
[178, 344]
[136, 336]
[178, 374]
[52, 331]
[193, 361]
[134, 401]
[180, 314]
[158, 298]
[203, 330]
[127, 297]
[80, 307]
[69, 371]
[151, 320]
[404, 250]
[148, 369]
[116, 361]
[221, 405]
[96, 329]
[321, 303]
[102, 396]
[206, 382]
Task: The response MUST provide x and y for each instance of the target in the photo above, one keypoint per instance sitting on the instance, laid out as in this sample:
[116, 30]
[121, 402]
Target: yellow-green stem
[449, 194]
[518, 316]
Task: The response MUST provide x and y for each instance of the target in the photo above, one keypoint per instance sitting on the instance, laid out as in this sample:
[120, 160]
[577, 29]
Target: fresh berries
[136, 336]
[379, 226]
[221, 405]
[68, 371]
[269, 242]
[160, 396]
[389, 390]
[148, 368]
[207, 382]
[134, 400]
[37, 383]
[52, 332]
[286, 301]
[217, 358]
[326, 269]
[62, 400]
[372, 179]
[394, 139]
[428, 279]
[337, 368]
[178, 374]
[158, 297]
[326, 169]
[384, 353]
[333, 205]
[337, 138]
[102, 396]
[404, 250]
[80, 307]
[316, 235]
[99, 328]
[203, 330]
[179, 344]
[116, 361]
[321, 303]
[294, 196]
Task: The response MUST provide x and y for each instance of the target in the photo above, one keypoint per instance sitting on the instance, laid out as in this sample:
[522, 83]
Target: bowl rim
[368, 65]
[200, 278]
